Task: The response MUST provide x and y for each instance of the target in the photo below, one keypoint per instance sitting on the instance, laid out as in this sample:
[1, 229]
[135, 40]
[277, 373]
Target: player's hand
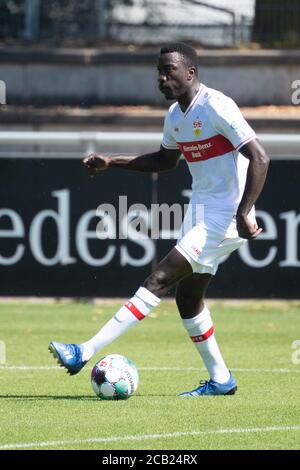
[247, 228]
[95, 162]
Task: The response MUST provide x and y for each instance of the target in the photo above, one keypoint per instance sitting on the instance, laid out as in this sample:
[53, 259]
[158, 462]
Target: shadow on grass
[49, 397]
[79, 397]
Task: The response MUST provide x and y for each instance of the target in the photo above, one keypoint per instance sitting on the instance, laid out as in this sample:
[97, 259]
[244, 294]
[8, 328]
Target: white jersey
[209, 135]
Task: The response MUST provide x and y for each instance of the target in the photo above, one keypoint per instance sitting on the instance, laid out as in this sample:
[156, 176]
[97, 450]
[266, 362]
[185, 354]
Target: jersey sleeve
[228, 120]
[168, 141]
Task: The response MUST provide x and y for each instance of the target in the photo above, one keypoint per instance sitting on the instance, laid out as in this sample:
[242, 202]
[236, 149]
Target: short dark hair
[187, 52]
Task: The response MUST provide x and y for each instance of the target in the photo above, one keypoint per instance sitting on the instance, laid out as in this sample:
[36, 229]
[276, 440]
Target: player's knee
[157, 282]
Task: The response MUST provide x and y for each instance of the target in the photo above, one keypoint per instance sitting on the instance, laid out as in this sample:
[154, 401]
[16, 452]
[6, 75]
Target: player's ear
[191, 72]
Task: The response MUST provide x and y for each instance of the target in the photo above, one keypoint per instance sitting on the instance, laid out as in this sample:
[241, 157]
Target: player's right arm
[163, 159]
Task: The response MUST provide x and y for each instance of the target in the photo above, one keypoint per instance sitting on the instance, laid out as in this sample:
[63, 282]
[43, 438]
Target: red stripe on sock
[204, 337]
[135, 311]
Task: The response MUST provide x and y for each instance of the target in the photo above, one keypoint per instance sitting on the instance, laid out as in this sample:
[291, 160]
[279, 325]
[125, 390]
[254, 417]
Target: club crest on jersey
[197, 125]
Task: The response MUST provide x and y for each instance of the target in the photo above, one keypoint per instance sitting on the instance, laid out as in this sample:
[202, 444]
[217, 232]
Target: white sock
[135, 310]
[201, 330]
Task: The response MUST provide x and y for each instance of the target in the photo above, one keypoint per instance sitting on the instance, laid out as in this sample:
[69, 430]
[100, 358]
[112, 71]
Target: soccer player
[228, 167]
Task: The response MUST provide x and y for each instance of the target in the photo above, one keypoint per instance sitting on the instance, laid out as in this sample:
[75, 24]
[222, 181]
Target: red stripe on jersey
[135, 311]
[200, 150]
[204, 337]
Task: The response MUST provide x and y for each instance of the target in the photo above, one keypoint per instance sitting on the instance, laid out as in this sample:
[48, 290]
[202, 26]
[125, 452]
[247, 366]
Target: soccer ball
[114, 377]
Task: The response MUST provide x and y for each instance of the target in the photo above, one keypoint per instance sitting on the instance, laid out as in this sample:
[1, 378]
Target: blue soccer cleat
[68, 356]
[210, 387]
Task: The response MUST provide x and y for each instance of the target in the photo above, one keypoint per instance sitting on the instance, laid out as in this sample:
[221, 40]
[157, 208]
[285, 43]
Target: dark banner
[49, 247]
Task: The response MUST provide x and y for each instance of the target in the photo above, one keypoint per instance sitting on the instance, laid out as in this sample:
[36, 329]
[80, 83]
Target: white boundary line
[147, 437]
[155, 369]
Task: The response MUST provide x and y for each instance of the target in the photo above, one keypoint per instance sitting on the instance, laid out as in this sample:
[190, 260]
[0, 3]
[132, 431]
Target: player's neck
[185, 100]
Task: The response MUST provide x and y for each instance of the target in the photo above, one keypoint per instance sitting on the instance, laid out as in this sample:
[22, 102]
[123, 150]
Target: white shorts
[205, 242]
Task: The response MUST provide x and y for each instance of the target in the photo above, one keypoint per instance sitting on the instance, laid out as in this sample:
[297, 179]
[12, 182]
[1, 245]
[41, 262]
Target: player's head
[177, 69]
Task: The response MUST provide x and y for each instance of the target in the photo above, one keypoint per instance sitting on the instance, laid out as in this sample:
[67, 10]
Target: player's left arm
[256, 176]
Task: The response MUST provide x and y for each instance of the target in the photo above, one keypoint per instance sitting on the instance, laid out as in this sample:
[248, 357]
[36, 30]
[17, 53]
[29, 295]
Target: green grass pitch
[41, 407]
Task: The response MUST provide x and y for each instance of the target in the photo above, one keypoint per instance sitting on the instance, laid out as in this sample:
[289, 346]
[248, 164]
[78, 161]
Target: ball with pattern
[114, 377]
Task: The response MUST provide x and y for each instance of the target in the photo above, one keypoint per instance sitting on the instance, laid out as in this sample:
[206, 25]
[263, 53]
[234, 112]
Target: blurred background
[212, 23]
[80, 76]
